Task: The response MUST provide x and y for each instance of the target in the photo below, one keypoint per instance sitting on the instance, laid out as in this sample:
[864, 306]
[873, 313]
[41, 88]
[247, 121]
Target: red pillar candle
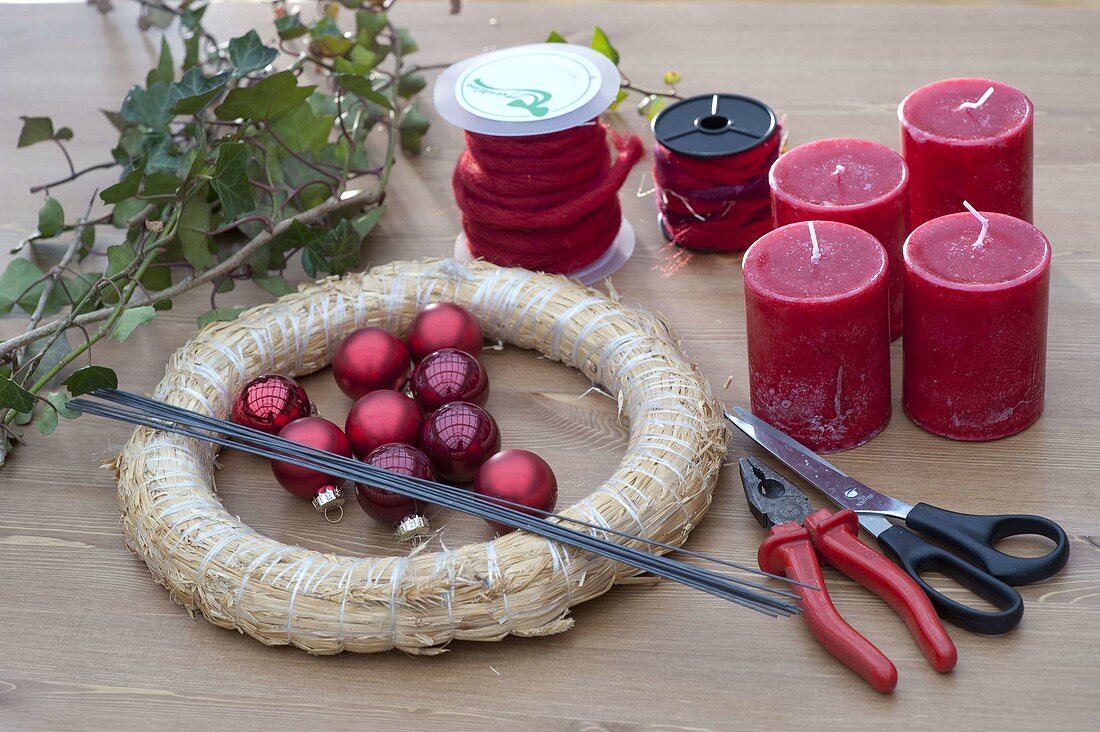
[975, 325]
[817, 313]
[965, 142]
[855, 182]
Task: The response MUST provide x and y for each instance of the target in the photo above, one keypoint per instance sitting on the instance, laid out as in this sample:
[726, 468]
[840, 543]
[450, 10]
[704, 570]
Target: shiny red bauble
[444, 325]
[369, 359]
[387, 506]
[270, 402]
[382, 417]
[449, 375]
[459, 437]
[521, 477]
[313, 432]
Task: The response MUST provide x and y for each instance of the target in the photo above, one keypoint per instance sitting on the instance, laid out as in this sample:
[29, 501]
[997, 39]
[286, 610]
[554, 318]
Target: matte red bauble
[387, 506]
[444, 325]
[369, 359]
[521, 477]
[313, 432]
[459, 437]
[449, 375]
[270, 402]
[382, 417]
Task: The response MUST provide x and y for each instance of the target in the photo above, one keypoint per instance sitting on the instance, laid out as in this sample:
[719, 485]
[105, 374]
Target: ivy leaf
[619, 99]
[125, 188]
[337, 252]
[194, 222]
[150, 107]
[672, 78]
[161, 183]
[35, 129]
[365, 224]
[601, 43]
[302, 129]
[248, 53]
[230, 180]
[130, 320]
[159, 17]
[290, 26]
[126, 210]
[275, 285]
[51, 218]
[406, 43]
[191, 51]
[89, 379]
[57, 404]
[411, 85]
[15, 397]
[412, 128]
[16, 284]
[63, 134]
[556, 37]
[218, 314]
[268, 98]
[192, 17]
[163, 71]
[116, 120]
[194, 90]
[362, 86]
[370, 23]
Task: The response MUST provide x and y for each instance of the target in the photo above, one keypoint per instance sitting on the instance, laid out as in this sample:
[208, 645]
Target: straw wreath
[518, 584]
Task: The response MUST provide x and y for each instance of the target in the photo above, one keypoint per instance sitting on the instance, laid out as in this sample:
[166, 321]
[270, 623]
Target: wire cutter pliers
[798, 537]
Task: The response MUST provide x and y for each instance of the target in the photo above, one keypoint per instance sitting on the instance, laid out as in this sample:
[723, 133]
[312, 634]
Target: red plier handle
[790, 550]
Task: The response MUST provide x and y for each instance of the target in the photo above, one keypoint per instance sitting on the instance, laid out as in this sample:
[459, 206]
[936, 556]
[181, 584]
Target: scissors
[972, 561]
[800, 540]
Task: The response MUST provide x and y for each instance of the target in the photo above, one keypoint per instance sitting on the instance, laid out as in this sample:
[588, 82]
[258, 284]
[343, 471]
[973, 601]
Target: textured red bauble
[387, 506]
[449, 375]
[459, 437]
[444, 325]
[382, 417]
[521, 477]
[270, 402]
[369, 359]
[313, 432]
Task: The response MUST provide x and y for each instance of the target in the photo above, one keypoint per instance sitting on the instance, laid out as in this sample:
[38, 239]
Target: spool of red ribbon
[710, 167]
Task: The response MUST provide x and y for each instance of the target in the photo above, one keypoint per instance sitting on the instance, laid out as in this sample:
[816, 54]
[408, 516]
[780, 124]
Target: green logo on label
[533, 100]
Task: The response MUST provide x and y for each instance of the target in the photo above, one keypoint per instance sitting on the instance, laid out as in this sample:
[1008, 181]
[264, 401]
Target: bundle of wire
[545, 202]
[715, 204]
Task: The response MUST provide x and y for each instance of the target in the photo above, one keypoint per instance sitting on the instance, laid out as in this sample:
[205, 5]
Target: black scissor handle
[973, 537]
[915, 555]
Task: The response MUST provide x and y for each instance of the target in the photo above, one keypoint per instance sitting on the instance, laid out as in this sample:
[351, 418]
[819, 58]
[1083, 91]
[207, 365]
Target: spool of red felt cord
[546, 202]
[710, 167]
[537, 184]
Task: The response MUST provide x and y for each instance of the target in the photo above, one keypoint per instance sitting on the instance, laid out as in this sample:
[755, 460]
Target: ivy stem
[73, 176]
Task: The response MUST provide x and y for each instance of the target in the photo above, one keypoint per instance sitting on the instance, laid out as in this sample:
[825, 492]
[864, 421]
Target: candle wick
[980, 241]
[714, 104]
[815, 253]
[981, 100]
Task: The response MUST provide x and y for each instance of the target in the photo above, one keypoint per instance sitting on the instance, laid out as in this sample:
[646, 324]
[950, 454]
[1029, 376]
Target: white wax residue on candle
[815, 254]
[981, 100]
[980, 241]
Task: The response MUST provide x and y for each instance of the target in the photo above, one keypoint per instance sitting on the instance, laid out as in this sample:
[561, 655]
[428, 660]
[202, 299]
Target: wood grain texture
[88, 640]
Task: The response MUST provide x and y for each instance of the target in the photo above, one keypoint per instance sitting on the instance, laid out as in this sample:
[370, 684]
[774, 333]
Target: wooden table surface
[87, 639]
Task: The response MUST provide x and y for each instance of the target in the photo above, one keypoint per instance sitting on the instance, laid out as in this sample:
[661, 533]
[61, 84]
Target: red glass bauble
[382, 417]
[270, 402]
[521, 477]
[369, 359]
[313, 432]
[387, 506]
[444, 325]
[449, 375]
[459, 437]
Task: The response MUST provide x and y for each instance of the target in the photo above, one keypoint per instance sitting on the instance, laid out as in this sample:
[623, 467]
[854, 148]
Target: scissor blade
[844, 491]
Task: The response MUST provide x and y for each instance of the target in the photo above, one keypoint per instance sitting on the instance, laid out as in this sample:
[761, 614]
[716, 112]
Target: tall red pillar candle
[855, 182]
[975, 325]
[817, 313]
[965, 142]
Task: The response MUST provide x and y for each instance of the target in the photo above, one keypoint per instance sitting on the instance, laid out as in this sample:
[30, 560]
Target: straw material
[518, 584]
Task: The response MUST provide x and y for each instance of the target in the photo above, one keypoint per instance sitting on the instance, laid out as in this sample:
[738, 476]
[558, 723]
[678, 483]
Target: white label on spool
[521, 84]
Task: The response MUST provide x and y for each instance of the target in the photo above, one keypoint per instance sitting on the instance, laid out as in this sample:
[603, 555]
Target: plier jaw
[772, 498]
